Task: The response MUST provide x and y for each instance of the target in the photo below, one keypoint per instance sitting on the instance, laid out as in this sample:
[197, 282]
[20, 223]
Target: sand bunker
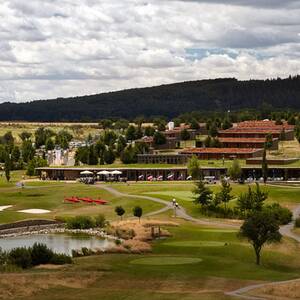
[5, 207]
[35, 211]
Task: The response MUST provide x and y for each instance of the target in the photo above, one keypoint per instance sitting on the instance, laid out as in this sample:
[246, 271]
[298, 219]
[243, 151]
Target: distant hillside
[168, 100]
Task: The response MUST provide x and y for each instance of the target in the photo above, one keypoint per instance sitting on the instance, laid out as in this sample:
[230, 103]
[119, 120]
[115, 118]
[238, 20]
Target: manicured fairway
[197, 244]
[166, 260]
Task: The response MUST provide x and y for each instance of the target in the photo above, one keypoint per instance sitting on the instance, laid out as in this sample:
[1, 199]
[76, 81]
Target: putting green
[166, 260]
[196, 244]
[220, 230]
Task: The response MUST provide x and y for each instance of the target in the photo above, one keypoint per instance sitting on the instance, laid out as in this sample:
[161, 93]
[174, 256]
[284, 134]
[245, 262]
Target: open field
[78, 130]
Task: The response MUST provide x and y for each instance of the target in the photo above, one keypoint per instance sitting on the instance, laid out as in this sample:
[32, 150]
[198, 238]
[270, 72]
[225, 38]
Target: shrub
[283, 215]
[118, 242]
[3, 257]
[60, 259]
[100, 221]
[40, 254]
[20, 257]
[80, 222]
[85, 251]
[297, 222]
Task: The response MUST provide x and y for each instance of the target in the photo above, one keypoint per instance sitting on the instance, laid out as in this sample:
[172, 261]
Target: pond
[59, 243]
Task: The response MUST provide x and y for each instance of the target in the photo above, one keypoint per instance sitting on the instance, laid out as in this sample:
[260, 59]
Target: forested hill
[168, 100]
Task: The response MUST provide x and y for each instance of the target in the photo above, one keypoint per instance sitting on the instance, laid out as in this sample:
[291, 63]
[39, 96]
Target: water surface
[59, 243]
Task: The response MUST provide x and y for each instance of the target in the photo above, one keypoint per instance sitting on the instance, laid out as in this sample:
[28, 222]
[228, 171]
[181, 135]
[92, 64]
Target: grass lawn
[196, 262]
[42, 195]
[182, 192]
[172, 271]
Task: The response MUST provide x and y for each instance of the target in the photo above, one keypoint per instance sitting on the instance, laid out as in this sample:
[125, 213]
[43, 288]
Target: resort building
[259, 129]
[176, 159]
[255, 143]
[223, 153]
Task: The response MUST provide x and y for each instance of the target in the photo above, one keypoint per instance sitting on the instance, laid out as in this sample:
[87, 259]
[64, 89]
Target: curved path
[180, 212]
[287, 229]
[240, 292]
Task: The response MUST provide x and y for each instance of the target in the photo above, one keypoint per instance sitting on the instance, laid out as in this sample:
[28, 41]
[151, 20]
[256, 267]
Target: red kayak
[100, 201]
[87, 200]
[72, 199]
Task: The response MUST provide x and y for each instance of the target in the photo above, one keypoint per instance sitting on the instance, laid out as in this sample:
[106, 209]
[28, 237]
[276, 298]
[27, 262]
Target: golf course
[197, 261]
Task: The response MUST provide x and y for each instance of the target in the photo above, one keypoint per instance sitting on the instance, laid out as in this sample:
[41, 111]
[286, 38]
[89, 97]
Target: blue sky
[59, 48]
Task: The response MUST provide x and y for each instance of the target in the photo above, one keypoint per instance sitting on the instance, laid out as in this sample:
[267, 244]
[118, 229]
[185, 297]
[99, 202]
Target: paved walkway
[240, 292]
[180, 212]
[287, 229]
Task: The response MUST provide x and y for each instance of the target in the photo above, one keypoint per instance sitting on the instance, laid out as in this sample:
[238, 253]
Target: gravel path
[287, 229]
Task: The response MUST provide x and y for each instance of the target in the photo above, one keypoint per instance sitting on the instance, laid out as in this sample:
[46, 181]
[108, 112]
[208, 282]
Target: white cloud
[55, 48]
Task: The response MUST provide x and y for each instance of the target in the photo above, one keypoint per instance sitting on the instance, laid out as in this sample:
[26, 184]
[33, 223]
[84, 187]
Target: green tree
[7, 166]
[252, 200]
[63, 138]
[105, 124]
[194, 124]
[15, 154]
[149, 131]
[194, 168]
[49, 144]
[120, 211]
[264, 166]
[159, 138]
[129, 155]
[138, 212]
[27, 150]
[213, 131]
[269, 141]
[109, 156]
[226, 124]
[25, 135]
[185, 135]
[131, 133]
[208, 142]
[224, 196]
[92, 158]
[259, 228]
[203, 195]
[235, 170]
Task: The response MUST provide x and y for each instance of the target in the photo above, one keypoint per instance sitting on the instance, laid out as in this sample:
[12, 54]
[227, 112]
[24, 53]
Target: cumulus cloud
[56, 48]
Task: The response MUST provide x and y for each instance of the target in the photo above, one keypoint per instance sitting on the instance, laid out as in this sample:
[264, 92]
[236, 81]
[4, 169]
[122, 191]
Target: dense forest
[165, 100]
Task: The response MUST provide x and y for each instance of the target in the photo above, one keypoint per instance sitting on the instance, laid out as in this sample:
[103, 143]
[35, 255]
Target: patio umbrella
[116, 172]
[103, 173]
[86, 173]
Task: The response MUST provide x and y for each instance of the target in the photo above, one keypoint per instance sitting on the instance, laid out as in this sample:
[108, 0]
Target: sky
[61, 48]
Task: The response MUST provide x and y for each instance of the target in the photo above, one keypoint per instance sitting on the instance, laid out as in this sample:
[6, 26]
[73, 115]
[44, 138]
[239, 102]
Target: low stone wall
[11, 232]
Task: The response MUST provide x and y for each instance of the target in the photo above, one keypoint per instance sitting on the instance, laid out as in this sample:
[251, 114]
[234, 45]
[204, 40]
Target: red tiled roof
[220, 150]
[242, 140]
[264, 124]
[253, 130]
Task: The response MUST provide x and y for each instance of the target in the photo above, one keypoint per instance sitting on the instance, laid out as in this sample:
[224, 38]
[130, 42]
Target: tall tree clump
[194, 168]
[224, 196]
[264, 166]
[203, 195]
[235, 170]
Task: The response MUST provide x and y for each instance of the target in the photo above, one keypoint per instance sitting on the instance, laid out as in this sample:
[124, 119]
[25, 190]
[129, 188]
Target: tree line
[219, 95]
